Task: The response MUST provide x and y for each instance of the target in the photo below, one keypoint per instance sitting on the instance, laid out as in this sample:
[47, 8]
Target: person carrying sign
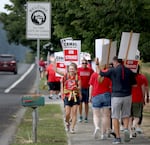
[85, 73]
[100, 97]
[122, 81]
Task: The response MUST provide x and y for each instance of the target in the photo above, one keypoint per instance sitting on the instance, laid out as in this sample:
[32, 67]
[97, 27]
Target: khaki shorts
[121, 107]
[136, 109]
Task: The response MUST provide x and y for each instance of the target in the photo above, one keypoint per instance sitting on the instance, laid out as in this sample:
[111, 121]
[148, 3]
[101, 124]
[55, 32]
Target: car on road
[8, 63]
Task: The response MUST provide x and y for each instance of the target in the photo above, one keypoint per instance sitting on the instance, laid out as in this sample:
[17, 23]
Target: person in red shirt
[71, 95]
[85, 73]
[146, 98]
[52, 80]
[100, 96]
[42, 67]
[137, 104]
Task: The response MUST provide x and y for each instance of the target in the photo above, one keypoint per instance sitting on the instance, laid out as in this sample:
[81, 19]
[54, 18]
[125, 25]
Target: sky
[2, 3]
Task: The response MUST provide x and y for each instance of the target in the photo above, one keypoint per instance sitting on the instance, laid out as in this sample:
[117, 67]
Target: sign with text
[59, 58]
[62, 41]
[132, 64]
[72, 49]
[128, 45]
[38, 24]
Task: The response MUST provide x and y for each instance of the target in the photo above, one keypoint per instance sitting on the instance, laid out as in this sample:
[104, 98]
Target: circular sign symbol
[38, 17]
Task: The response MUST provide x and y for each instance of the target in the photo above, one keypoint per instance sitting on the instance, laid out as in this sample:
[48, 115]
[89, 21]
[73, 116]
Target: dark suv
[8, 63]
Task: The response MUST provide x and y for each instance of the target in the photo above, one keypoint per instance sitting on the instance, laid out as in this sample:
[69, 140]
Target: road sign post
[38, 26]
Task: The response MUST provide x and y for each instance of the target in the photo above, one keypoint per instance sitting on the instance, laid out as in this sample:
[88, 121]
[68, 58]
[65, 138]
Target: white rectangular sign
[62, 41]
[38, 22]
[59, 57]
[129, 44]
[108, 52]
[72, 49]
[99, 46]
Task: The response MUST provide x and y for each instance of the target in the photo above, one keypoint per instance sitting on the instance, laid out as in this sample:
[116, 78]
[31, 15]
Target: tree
[86, 20]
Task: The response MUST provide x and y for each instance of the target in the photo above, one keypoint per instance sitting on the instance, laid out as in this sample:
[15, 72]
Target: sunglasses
[84, 63]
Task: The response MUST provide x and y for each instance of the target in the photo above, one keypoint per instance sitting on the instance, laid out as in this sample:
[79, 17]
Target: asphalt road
[10, 102]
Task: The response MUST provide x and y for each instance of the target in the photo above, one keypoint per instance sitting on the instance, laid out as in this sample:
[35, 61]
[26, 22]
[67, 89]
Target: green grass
[145, 68]
[50, 130]
[43, 84]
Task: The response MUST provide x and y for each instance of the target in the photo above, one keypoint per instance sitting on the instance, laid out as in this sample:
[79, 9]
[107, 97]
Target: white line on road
[20, 79]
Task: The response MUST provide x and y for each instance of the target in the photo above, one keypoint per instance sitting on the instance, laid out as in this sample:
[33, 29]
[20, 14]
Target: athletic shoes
[113, 134]
[72, 131]
[117, 141]
[50, 97]
[126, 135]
[103, 137]
[96, 133]
[139, 130]
[80, 119]
[85, 120]
[68, 126]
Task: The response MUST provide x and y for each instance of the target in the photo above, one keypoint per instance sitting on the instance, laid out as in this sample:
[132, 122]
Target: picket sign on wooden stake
[131, 33]
[108, 55]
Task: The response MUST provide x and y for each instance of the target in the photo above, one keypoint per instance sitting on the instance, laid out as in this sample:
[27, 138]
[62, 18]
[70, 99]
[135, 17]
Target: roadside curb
[9, 134]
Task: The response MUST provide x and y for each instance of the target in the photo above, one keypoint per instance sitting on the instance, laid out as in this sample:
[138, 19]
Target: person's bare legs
[74, 116]
[126, 122]
[67, 113]
[86, 110]
[105, 125]
[96, 118]
[80, 112]
[116, 126]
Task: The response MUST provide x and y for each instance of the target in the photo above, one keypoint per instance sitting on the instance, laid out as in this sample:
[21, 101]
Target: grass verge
[50, 130]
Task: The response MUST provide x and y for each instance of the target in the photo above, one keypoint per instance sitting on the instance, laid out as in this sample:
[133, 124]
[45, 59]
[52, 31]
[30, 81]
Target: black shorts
[71, 102]
[54, 86]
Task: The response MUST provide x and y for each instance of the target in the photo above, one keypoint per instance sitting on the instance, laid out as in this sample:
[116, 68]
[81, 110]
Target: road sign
[38, 25]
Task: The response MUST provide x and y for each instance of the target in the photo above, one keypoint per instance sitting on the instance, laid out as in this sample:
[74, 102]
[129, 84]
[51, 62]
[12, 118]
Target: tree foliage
[85, 20]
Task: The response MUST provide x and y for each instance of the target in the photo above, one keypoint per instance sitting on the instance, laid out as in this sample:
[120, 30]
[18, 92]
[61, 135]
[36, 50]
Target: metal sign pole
[37, 71]
[34, 124]
[35, 110]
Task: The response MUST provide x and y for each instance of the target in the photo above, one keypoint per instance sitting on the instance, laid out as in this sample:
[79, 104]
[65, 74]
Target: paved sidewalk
[84, 132]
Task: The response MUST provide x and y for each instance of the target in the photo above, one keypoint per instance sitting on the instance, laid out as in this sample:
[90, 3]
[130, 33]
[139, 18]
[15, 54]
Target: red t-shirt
[70, 83]
[99, 88]
[51, 73]
[137, 95]
[145, 81]
[85, 74]
[42, 63]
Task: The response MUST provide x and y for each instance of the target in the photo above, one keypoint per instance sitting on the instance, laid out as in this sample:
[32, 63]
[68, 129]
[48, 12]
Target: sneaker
[86, 120]
[139, 130]
[117, 141]
[50, 97]
[134, 132]
[80, 119]
[103, 137]
[96, 133]
[126, 135]
[131, 136]
[113, 134]
[68, 127]
[72, 131]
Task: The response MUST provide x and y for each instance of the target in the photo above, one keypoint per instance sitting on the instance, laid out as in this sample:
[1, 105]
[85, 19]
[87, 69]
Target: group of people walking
[117, 96]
